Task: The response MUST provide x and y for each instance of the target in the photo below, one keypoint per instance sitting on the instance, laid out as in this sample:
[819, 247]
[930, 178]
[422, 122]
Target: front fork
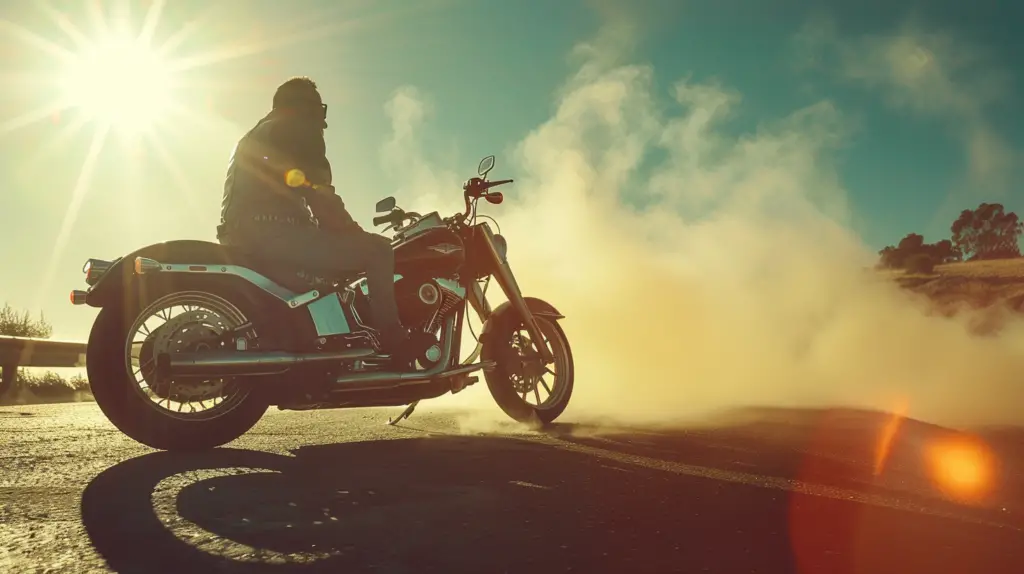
[507, 281]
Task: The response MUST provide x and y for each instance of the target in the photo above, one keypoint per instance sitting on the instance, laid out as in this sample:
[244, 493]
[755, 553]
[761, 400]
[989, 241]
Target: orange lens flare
[888, 435]
[961, 467]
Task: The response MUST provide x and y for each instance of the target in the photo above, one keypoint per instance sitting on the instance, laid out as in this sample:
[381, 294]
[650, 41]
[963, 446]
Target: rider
[308, 225]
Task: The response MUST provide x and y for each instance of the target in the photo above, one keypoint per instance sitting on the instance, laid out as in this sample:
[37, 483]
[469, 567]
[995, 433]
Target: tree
[920, 263]
[913, 247]
[988, 232]
[15, 324]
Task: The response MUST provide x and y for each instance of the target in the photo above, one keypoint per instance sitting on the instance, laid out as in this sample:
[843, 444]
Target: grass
[47, 387]
[977, 284]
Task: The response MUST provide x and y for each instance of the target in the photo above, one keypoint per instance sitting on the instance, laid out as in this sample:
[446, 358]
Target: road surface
[339, 491]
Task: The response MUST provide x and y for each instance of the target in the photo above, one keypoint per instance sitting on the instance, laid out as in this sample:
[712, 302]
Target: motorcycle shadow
[434, 504]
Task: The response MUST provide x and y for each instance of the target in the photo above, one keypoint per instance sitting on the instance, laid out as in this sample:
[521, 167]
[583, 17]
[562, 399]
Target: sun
[121, 83]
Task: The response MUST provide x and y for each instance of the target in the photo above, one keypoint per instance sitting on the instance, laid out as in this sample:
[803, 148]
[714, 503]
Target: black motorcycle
[195, 340]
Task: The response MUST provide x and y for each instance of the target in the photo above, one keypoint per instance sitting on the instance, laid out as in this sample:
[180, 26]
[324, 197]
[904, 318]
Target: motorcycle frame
[326, 311]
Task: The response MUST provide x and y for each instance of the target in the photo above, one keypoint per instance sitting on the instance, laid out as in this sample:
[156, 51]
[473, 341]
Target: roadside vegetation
[37, 386]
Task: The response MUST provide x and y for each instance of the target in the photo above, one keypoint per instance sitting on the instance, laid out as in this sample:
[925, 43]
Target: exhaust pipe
[381, 381]
[213, 364]
[251, 363]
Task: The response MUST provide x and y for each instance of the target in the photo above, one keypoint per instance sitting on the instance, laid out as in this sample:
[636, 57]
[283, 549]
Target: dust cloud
[700, 269]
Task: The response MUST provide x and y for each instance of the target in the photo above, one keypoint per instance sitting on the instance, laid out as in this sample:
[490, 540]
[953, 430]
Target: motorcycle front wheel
[524, 387]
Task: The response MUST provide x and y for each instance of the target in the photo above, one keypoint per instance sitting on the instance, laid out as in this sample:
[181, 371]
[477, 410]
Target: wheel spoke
[545, 383]
[193, 324]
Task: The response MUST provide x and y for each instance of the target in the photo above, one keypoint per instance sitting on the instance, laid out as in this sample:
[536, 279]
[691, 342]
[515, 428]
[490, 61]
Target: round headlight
[501, 246]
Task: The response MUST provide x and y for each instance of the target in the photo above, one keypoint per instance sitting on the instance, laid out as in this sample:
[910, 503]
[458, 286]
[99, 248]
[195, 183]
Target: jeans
[327, 254]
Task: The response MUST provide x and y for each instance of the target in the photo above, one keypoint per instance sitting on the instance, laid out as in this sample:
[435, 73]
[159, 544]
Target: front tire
[116, 388]
[514, 381]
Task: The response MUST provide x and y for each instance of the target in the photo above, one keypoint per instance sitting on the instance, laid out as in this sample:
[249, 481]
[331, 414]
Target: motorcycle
[195, 340]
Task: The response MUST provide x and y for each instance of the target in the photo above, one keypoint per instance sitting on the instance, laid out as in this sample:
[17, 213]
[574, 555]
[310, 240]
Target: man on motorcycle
[308, 225]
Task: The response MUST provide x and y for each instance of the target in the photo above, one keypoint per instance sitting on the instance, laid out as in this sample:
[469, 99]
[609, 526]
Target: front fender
[111, 287]
[539, 308]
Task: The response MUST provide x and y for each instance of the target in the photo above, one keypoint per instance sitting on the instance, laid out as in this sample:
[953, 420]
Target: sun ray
[120, 17]
[65, 24]
[65, 133]
[32, 116]
[33, 39]
[71, 213]
[150, 22]
[130, 172]
[204, 120]
[302, 33]
[98, 18]
[174, 169]
[24, 79]
[236, 52]
[176, 39]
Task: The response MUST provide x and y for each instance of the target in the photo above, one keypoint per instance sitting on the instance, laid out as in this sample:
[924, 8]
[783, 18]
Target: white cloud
[737, 281]
[934, 75]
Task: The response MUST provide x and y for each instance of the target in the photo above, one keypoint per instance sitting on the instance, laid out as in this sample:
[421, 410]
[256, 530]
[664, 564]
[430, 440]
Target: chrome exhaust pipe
[352, 382]
[213, 364]
[384, 381]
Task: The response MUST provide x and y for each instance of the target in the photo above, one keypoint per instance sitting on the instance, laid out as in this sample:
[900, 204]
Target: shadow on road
[486, 504]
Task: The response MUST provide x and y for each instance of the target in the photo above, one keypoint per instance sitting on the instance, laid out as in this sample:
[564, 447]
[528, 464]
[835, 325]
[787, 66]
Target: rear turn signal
[78, 297]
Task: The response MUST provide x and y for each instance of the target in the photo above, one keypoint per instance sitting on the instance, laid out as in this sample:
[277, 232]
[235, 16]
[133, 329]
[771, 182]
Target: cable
[496, 224]
[483, 297]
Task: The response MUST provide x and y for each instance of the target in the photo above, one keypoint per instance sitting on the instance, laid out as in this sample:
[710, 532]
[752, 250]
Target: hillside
[996, 288]
[995, 283]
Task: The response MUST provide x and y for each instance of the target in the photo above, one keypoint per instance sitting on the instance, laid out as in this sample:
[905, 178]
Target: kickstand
[405, 414]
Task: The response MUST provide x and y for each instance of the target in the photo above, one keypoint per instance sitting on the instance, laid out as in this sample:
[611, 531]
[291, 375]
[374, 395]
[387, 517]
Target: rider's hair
[295, 91]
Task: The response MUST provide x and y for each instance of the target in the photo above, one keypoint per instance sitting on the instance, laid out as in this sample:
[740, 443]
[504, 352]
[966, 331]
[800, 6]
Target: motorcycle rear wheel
[117, 385]
[520, 375]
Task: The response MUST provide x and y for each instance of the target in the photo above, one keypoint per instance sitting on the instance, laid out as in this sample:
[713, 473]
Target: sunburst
[119, 78]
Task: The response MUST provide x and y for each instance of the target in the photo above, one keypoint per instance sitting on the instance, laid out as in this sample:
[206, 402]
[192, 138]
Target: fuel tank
[434, 252]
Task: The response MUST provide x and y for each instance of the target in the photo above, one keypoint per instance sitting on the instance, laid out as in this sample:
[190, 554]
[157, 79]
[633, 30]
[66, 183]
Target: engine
[423, 304]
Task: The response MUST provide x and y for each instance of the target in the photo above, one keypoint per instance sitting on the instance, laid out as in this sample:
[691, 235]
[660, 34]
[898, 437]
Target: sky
[888, 118]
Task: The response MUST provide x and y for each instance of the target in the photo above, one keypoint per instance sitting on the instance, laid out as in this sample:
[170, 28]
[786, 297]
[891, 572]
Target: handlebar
[396, 217]
[475, 188]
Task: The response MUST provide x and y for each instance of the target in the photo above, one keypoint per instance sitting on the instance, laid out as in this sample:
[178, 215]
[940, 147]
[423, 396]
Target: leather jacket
[255, 191]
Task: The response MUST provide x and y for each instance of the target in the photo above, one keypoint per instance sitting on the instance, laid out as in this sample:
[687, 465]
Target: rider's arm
[305, 147]
[308, 152]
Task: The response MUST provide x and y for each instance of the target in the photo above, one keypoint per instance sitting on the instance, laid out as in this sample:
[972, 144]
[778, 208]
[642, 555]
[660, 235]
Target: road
[340, 491]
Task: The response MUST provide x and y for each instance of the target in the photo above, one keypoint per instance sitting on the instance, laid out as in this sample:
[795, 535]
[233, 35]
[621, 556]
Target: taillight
[94, 270]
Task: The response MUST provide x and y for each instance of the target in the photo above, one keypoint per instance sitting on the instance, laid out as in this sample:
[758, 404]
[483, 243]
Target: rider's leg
[319, 251]
[379, 264]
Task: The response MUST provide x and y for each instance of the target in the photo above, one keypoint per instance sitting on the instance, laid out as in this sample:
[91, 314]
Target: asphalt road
[339, 491]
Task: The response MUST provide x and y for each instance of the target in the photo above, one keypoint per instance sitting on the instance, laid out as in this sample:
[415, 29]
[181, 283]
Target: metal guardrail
[18, 352]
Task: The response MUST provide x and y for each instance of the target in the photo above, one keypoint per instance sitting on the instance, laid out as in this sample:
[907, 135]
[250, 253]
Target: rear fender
[121, 282]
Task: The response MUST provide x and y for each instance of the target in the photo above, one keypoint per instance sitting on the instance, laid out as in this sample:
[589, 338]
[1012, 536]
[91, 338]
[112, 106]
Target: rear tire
[124, 403]
[506, 382]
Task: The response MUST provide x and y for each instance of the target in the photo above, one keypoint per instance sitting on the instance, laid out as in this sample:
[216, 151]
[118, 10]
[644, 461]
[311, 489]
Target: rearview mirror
[386, 204]
[486, 165]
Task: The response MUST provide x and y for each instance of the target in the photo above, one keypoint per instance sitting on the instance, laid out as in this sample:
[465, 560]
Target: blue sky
[927, 95]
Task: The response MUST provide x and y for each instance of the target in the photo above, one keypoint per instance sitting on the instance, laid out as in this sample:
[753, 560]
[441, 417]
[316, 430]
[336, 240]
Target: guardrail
[26, 352]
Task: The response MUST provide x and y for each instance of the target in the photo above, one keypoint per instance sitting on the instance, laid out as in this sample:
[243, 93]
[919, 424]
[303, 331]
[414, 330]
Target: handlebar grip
[381, 219]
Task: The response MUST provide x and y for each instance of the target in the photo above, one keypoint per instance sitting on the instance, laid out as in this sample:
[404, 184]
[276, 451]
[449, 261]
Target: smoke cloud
[700, 270]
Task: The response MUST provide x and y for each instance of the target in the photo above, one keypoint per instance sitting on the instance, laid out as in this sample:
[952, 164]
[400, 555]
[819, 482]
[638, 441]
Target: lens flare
[961, 467]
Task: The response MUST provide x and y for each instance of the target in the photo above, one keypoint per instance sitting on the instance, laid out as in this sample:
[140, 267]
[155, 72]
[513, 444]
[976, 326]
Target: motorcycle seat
[284, 273]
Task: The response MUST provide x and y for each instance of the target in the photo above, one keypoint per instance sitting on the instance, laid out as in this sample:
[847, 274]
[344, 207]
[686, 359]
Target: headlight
[501, 246]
